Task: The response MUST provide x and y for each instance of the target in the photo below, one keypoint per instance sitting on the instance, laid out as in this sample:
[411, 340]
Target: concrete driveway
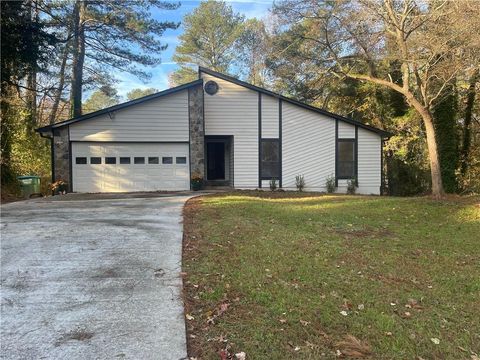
[96, 279]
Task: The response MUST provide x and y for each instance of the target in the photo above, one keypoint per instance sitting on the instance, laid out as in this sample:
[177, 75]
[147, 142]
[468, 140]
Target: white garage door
[124, 167]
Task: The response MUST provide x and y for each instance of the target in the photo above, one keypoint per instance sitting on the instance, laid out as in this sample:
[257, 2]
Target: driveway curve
[94, 279]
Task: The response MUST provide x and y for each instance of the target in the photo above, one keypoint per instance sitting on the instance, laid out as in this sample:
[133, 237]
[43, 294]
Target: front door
[215, 161]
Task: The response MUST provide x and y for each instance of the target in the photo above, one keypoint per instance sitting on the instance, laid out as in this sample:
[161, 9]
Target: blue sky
[159, 80]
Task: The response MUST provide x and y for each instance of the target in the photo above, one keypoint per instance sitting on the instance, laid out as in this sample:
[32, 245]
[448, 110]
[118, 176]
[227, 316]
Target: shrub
[273, 184]
[330, 184]
[300, 182]
[352, 186]
[59, 187]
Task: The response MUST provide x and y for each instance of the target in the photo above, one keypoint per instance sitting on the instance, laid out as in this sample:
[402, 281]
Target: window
[167, 160]
[270, 159]
[181, 160]
[153, 160]
[138, 160]
[124, 160]
[110, 160]
[346, 159]
[80, 160]
[95, 160]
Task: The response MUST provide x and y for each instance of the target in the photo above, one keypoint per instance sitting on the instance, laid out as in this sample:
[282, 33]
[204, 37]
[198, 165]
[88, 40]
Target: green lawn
[403, 271]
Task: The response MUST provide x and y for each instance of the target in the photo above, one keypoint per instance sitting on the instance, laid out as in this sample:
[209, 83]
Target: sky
[159, 79]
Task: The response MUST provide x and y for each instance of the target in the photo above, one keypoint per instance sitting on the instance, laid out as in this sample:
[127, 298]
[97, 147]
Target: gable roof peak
[201, 69]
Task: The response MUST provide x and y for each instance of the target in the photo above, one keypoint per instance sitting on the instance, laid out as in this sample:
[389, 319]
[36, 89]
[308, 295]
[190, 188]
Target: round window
[211, 87]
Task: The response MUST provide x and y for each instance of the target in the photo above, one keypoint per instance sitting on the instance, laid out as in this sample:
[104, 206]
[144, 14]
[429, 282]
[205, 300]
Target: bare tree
[429, 40]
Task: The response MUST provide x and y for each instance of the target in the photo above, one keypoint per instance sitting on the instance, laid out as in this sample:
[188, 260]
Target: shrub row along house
[226, 131]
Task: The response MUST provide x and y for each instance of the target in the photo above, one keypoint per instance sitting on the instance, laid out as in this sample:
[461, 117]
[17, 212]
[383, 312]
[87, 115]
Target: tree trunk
[468, 120]
[61, 84]
[78, 59]
[32, 77]
[437, 185]
[32, 99]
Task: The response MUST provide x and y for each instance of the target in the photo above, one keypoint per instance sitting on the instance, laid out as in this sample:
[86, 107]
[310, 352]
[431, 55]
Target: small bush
[330, 184]
[300, 182]
[352, 186]
[273, 184]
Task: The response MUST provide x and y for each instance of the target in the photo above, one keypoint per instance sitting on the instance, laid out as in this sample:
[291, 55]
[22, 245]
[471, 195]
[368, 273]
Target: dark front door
[216, 161]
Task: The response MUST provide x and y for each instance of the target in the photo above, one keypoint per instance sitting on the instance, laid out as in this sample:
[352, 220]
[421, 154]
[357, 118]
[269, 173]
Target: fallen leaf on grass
[347, 305]
[223, 354]
[189, 317]
[413, 304]
[294, 347]
[223, 308]
[353, 347]
[304, 323]
[240, 356]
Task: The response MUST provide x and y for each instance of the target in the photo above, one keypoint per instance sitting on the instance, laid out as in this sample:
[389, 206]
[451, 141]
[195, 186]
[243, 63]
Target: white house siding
[163, 119]
[308, 144]
[269, 117]
[233, 110]
[345, 130]
[369, 162]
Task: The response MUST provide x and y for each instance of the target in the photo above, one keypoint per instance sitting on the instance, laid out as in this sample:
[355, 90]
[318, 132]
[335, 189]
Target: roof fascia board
[119, 106]
[383, 133]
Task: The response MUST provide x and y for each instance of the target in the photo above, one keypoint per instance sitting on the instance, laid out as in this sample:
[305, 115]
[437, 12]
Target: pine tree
[115, 35]
[211, 32]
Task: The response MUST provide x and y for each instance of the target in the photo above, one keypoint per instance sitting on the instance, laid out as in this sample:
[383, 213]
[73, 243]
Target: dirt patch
[191, 238]
[77, 335]
[352, 347]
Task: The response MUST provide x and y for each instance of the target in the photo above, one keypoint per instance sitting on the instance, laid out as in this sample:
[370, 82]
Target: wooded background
[410, 67]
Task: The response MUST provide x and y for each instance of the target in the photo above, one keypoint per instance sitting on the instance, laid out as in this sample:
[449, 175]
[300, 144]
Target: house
[228, 131]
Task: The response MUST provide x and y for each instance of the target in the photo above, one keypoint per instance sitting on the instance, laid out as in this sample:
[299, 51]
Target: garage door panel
[130, 177]
[181, 172]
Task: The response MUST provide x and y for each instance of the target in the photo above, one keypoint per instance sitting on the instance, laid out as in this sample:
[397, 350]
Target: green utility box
[29, 185]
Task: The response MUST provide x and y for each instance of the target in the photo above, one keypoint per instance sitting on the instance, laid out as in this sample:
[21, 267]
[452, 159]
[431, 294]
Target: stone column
[197, 130]
[61, 155]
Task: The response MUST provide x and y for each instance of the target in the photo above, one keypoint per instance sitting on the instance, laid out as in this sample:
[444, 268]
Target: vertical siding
[369, 162]
[161, 119]
[345, 130]
[233, 110]
[308, 147]
[269, 117]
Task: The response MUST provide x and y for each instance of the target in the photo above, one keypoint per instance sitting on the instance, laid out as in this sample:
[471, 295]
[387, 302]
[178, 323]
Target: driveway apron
[96, 279]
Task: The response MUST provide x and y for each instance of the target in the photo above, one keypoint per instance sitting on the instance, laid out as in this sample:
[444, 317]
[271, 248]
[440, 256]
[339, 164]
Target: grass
[271, 276]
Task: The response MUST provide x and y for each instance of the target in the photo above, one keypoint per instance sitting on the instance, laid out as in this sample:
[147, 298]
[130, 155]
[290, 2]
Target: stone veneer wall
[61, 155]
[197, 130]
